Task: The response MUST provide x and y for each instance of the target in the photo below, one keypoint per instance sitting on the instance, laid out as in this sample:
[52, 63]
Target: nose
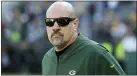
[56, 27]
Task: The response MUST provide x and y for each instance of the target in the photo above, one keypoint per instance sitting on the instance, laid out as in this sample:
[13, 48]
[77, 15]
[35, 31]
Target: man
[73, 54]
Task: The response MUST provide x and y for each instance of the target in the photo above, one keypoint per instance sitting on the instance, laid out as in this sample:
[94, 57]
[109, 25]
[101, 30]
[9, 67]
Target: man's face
[59, 35]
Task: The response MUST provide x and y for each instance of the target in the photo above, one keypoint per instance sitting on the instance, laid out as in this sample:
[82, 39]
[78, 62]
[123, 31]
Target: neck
[60, 48]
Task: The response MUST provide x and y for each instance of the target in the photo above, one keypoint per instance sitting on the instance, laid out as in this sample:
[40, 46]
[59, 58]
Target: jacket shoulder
[92, 46]
[49, 53]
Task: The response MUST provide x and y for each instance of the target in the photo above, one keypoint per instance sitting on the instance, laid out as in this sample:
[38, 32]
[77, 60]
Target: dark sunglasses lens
[63, 21]
[49, 22]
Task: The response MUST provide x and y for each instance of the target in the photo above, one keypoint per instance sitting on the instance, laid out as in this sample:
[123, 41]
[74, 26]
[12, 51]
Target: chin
[57, 43]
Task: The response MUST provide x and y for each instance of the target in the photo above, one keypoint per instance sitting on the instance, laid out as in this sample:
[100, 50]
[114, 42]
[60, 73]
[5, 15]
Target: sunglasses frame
[58, 20]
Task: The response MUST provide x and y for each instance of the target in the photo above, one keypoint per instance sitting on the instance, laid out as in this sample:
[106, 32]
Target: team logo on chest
[72, 72]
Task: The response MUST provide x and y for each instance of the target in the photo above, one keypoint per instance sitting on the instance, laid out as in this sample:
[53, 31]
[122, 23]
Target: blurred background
[24, 39]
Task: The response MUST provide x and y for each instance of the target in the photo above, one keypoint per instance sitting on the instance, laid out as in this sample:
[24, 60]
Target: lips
[56, 35]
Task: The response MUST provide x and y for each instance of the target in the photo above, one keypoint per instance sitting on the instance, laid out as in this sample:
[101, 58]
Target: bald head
[60, 9]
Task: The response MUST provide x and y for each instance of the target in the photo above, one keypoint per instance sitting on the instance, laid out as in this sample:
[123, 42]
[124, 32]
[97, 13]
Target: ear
[76, 22]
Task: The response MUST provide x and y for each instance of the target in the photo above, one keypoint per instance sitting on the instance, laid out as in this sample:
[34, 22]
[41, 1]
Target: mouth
[56, 36]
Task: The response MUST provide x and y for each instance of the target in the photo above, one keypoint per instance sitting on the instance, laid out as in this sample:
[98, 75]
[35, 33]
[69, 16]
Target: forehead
[57, 12]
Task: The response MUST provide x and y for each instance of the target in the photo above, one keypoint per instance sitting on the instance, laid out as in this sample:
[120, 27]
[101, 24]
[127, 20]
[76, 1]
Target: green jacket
[82, 57]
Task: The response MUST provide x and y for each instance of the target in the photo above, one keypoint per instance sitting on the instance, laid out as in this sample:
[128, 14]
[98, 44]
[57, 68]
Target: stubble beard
[57, 41]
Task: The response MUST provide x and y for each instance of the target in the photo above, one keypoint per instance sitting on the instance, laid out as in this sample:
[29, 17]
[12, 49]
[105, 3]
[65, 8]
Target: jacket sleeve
[108, 65]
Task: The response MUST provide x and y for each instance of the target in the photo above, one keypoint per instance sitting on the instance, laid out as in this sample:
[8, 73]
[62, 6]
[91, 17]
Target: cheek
[49, 32]
[68, 32]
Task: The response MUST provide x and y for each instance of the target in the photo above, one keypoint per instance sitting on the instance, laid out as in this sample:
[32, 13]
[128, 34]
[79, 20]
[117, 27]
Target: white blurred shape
[113, 4]
[119, 31]
[129, 43]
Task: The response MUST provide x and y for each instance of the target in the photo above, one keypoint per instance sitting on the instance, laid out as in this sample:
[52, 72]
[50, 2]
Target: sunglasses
[62, 21]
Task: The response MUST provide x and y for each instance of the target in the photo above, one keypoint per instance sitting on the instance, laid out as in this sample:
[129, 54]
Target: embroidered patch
[72, 72]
